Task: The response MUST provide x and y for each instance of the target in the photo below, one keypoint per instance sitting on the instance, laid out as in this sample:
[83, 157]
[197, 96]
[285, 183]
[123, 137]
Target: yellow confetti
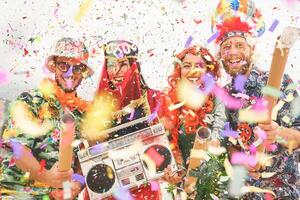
[192, 96]
[228, 168]
[247, 189]
[252, 116]
[98, 118]
[27, 123]
[199, 154]
[175, 106]
[150, 164]
[84, 7]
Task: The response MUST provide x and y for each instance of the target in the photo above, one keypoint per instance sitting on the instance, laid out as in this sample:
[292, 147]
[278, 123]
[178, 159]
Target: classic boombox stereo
[122, 162]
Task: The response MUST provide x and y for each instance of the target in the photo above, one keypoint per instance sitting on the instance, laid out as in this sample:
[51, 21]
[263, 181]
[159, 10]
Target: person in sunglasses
[31, 140]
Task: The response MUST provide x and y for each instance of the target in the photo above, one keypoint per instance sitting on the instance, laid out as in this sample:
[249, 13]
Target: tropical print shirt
[42, 107]
[285, 182]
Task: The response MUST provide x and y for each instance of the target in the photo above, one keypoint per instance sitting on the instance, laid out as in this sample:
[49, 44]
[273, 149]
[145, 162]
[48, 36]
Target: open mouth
[193, 79]
[119, 79]
[236, 62]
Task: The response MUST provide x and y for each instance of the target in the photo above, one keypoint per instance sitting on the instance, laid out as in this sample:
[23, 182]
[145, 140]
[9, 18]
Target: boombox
[127, 161]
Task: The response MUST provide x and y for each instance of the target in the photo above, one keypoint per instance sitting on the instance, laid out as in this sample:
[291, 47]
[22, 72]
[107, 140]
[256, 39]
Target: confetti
[98, 118]
[189, 93]
[25, 52]
[17, 148]
[27, 122]
[155, 156]
[67, 190]
[154, 186]
[229, 101]
[228, 132]
[271, 91]
[274, 25]
[4, 77]
[213, 37]
[84, 7]
[188, 42]
[237, 181]
[246, 189]
[239, 82]
[42, 165]
[79, 178]
[253, 116]
[68, 73]
[198, 21]
[122, 193]
[175, 106]
[240, 158]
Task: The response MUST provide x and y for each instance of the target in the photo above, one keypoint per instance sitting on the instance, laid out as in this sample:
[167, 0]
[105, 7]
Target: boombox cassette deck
[127, 161]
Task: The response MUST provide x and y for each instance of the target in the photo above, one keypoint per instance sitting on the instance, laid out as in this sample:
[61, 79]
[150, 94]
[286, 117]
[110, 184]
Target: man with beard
[31, 138]
[237, 29]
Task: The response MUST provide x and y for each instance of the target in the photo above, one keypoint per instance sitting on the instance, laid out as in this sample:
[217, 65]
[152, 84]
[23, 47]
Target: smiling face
[68, 73]
[193, 68]
[117, 69]
[235, 55]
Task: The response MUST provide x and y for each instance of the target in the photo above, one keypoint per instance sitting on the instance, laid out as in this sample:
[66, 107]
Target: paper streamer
[237, 181]
[67, 190]
[274, 25]
[213, 37]
[188, 42]
[271, 91]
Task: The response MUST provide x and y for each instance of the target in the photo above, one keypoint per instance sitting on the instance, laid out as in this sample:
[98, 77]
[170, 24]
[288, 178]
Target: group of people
[29, 168]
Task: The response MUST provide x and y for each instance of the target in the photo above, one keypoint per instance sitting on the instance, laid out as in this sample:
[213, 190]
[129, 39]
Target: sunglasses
[76, 69]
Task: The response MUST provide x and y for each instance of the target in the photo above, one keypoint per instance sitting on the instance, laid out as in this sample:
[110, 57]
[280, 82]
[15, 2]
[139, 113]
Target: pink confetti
[154, 185]
[243, 159]
[155, 156]
[131, 114]
[228, 100]
[12, 162]
[3, 78]
[269, 196]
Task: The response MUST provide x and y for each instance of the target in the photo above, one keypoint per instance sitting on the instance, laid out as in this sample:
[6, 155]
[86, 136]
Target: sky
[160, 28]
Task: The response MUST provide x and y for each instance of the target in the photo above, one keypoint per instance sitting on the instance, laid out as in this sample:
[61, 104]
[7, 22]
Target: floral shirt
[45, 148]
[285, 183]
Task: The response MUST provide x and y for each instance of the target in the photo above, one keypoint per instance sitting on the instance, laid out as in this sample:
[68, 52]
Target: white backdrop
[158, 27]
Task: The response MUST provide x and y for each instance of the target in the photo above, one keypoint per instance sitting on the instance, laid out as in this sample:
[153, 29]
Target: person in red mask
[121, 78]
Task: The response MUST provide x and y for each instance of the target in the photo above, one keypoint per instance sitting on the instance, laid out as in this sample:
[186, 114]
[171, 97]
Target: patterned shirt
[45, 148]
[285, 183]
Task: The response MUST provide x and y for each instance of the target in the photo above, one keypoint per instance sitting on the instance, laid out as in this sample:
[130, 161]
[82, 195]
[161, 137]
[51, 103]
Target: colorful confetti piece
[188, 42]
[213, 37]
[84, 7]
[274, 25]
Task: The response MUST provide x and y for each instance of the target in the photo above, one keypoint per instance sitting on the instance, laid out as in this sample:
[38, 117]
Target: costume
[131, 89]
[35, 121]
[185, 120]
[43, 107]
[285, 182]
[242, 19]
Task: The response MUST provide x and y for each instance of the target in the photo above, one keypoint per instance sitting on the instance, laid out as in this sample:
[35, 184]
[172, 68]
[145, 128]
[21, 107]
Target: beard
[243, 69]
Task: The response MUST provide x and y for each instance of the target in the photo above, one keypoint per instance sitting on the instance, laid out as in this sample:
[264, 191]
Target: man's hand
[271, 130]
[75, 190]
[289, 36]
[55, 178]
